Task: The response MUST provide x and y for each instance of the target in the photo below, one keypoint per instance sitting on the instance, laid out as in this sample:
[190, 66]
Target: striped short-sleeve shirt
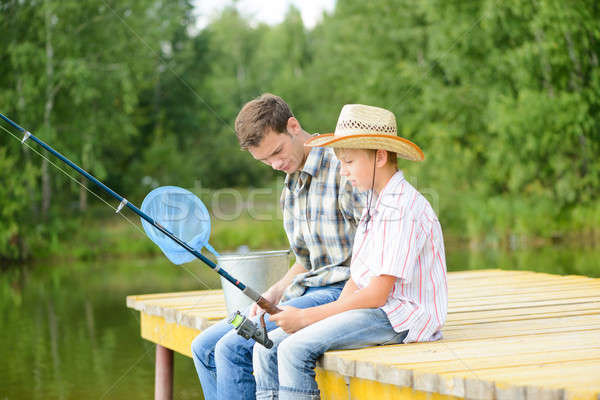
[404, 239]
[321, 211]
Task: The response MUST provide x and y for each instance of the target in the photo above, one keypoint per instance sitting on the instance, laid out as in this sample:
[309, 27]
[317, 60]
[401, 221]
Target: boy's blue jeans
[223, 359]
[287, 371]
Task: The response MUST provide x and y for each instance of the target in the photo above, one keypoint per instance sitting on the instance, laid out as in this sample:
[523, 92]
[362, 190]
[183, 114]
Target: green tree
[75, 71]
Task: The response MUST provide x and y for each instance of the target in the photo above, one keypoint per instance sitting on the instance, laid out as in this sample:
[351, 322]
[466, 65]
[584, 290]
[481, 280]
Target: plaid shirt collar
[311, 167]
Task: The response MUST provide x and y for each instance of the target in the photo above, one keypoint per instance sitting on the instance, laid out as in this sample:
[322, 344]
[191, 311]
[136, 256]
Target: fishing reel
[250, 330]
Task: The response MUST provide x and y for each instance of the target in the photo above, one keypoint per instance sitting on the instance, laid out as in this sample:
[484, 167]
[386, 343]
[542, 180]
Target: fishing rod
[243, 325]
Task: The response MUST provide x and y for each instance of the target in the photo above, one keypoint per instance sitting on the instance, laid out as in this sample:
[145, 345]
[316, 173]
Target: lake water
[67, 333]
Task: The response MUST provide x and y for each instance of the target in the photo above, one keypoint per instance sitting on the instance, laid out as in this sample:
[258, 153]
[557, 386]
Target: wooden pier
[510, 335]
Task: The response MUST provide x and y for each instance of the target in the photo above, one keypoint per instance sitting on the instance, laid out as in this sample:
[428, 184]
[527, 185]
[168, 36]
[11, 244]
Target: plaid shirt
[321, 211]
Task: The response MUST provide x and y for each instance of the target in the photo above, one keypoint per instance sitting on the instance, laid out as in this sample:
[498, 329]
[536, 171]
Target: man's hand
[273, 295]
[275, 292]
[291, 319]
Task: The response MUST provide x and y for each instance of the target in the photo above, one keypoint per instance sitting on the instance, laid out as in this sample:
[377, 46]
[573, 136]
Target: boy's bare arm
[349, 288]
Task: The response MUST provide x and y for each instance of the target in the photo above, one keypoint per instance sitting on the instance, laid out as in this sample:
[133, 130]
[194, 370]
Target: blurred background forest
[502, 96]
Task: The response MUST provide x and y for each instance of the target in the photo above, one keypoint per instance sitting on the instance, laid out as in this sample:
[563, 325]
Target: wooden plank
[523, 281]
[497, 329]
[511, 303]
[495, 275]
[551, 375]
[515, 293]
[451, 350]
[560, 322]
[184, 305]
[548, 289]
[568, 292]
[591, 307]
[160, 310]
[150, 296]
[465, 365]
[519, 281]
[185, 302]
[483, 273]
[172, 302]
[568, 379]
[477, 384]
[510, 335]
[208, 314]
[202, 320]
[184, 310]
[157, 296]
[515, 289]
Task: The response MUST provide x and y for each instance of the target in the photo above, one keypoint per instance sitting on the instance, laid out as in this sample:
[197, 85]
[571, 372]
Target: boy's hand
[291, 319]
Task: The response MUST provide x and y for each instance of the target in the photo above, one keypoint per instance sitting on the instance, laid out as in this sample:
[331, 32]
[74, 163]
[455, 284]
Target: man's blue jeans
[287, 371]
[223, 359]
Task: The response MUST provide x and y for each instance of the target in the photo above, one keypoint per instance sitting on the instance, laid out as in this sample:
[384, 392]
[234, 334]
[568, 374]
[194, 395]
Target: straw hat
[367, 127]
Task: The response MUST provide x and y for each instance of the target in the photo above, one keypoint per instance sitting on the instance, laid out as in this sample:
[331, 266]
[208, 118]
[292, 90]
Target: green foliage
[14, 213]
[503, 97]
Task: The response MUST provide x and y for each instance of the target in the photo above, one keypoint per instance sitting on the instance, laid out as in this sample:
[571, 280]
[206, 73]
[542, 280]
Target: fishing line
[95, 195]
[368, 217]
[157, 54]
[245, 328]
[406, 92]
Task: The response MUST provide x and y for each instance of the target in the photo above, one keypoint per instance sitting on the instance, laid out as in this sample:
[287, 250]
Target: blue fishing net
[184, 215]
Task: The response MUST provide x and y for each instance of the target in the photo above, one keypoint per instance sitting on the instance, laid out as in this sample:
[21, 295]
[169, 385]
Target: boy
[397, 292]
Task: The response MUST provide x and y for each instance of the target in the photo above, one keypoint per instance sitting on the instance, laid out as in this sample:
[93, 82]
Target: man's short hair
[259, 115]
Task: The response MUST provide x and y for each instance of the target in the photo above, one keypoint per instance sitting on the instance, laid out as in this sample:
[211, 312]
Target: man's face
[281, 151]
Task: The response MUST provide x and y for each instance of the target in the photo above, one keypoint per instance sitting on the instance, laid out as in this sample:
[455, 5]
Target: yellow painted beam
[334, 386]
[169, 335]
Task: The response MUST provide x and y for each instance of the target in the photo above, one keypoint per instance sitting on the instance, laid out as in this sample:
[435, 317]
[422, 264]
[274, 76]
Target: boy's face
[281, 151]
[357, 166]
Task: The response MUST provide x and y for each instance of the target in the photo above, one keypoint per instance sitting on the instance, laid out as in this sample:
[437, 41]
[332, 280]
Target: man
[320, 212]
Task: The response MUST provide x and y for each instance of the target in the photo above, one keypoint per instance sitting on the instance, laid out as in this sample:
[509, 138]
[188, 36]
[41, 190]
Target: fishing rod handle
[267, 306]
[261, 301]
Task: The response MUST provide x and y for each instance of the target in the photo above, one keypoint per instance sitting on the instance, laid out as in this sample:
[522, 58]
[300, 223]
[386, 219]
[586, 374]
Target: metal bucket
[257, 269]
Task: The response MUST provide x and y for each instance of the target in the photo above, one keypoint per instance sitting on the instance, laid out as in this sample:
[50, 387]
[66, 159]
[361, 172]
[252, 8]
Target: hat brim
[403, 147]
